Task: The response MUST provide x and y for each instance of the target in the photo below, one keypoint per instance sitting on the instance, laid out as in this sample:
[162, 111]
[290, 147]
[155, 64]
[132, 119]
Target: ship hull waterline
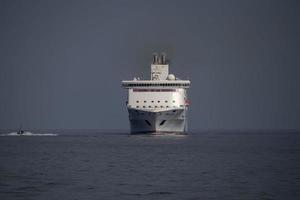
[158, 121]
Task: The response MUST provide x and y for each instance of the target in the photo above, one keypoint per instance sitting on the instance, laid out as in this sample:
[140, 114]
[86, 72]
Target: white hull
[151, 121]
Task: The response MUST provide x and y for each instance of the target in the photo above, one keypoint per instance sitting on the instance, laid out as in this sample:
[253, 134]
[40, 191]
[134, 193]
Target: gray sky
[61, 62]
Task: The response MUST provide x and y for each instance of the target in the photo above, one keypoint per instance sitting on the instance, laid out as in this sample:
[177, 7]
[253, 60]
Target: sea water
[200, 165]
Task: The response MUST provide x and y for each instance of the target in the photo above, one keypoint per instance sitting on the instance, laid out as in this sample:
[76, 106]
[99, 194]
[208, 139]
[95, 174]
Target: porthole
[166, 101]
[145, 101]
[152, 101]
[137, 101]
[173, 101]
[158, 101]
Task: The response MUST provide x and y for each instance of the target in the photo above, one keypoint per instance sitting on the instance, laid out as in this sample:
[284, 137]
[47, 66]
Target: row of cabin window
[157, 101]
[149, 85]
[156, 106]
[141, 113]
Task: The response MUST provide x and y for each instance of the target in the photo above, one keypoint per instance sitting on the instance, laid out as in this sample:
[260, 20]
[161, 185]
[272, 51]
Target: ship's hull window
[148, 122]
[162, 122]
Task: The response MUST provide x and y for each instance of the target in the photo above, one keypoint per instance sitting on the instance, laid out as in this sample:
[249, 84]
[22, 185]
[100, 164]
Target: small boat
[20, 131]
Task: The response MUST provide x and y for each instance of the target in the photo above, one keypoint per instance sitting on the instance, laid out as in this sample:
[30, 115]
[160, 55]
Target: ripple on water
[160, 193]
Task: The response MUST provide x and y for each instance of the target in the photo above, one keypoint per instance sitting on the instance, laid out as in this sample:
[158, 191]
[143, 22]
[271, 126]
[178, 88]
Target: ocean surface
[204, 165]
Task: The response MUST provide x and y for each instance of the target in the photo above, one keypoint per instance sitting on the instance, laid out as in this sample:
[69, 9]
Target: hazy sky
[62, 62]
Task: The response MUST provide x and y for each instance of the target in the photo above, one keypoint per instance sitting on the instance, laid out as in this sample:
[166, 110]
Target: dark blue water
[120, 166]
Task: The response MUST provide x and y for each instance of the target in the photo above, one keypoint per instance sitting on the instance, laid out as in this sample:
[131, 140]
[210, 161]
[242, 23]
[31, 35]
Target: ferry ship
[158, 105]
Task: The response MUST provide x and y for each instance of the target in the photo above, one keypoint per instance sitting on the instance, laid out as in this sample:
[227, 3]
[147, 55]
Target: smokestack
[163, 58]
[155, 58]
[159, 59]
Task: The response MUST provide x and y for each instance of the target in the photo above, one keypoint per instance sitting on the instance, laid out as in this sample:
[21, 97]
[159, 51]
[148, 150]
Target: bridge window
[156, 84]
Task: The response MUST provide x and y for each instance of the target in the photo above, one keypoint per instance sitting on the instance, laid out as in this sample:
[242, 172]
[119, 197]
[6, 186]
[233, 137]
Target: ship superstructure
[159, 104]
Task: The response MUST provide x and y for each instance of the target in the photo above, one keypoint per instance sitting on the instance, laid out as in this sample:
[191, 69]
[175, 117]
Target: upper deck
[160, 77]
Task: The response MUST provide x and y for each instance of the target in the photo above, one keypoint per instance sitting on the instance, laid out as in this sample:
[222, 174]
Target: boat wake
[26, 133]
